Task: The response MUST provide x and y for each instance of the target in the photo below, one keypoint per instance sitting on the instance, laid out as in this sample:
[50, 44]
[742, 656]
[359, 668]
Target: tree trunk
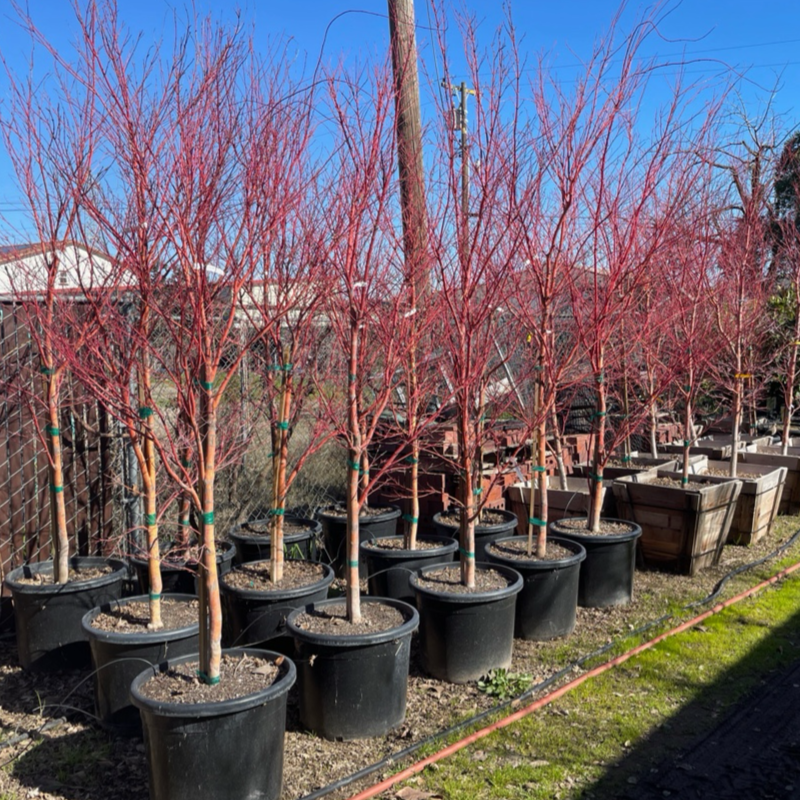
[687, 439]
[654, 429]
[737, 413]
[58, 511]
[596, 499]
[558, 448]
[354, 469]
[467, 525]
[791, 376]
[211, 614]
[281, 456]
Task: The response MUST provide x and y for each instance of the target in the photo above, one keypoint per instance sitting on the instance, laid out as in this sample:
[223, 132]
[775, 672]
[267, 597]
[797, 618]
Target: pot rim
[340, 639]
[217, 708]
[529, 563]
[314, 526]
[119, 572]
[511, 521]
[393, 512]
[514, 587]
[279, 594]
[599, 538]
[222, 555]
[448, 544]
[137, 637]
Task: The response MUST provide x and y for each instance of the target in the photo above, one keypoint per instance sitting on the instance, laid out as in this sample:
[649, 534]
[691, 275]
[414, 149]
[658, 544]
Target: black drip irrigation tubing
[55, 723]
[400, 755]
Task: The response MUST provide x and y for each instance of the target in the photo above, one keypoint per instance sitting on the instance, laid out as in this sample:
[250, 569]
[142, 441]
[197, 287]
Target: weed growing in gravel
[504, 685]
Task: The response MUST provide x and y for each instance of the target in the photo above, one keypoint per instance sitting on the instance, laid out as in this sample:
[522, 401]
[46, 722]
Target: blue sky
[759, 41]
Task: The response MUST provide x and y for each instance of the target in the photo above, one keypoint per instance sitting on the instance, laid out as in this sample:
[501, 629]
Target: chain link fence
[101, 475]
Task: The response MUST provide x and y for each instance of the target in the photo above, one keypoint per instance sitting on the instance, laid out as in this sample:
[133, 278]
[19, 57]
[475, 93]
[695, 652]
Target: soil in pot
[48, 616]
[179, 568]
[390, 564]
[223, 741]
[373, 523]
[606, 574]
[466, 632]
[253, 540]
[547, 605]
[122, 644]
[353, 677]
[493, 524]
[255, 609]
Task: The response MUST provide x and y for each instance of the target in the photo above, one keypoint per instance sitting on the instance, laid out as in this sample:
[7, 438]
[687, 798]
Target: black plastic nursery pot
[606, 577]
[484, 534]
[353, 686]
[547, 604]
[463, 636]
[48, 616]
[119, 657]
[258, 546]
[180, 578]
[334, 535]
[227, 750]
[389, 570]
[252, 616]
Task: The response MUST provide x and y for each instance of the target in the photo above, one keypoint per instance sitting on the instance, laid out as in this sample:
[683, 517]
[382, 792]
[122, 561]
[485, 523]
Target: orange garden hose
[416, 768]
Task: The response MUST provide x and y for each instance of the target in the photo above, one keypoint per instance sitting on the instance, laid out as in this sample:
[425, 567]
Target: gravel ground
[75, 760]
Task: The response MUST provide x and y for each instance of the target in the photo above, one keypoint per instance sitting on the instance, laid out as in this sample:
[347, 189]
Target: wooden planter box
[764, 455]
[570, 502]
[758, 501]
[639, 464]
[718, 448]
[683, 529]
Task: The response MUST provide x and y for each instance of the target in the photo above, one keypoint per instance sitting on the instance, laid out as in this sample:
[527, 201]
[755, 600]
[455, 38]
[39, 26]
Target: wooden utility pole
[460, 123]
[409, 138]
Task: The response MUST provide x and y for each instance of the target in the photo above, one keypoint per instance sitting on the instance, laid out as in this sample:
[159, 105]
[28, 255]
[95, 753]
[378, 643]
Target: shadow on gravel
[42, 693]
[715, 749]
[84, 765]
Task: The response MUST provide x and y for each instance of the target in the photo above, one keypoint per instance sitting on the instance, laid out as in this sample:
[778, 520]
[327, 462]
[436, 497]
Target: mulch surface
[255, 576]
[448, 579]
[578, 525]
[375, 618]
[239, 676]
[134, 617]
[518, 550]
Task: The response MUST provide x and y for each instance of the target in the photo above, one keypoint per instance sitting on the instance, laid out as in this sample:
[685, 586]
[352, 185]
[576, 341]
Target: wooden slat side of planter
[790, 497]
[714, 451]
[758, 501]
[570, 502]
[683, 529]
[612, 472]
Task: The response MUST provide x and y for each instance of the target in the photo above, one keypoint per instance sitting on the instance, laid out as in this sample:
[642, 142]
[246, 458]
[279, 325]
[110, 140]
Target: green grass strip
[606, 734]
